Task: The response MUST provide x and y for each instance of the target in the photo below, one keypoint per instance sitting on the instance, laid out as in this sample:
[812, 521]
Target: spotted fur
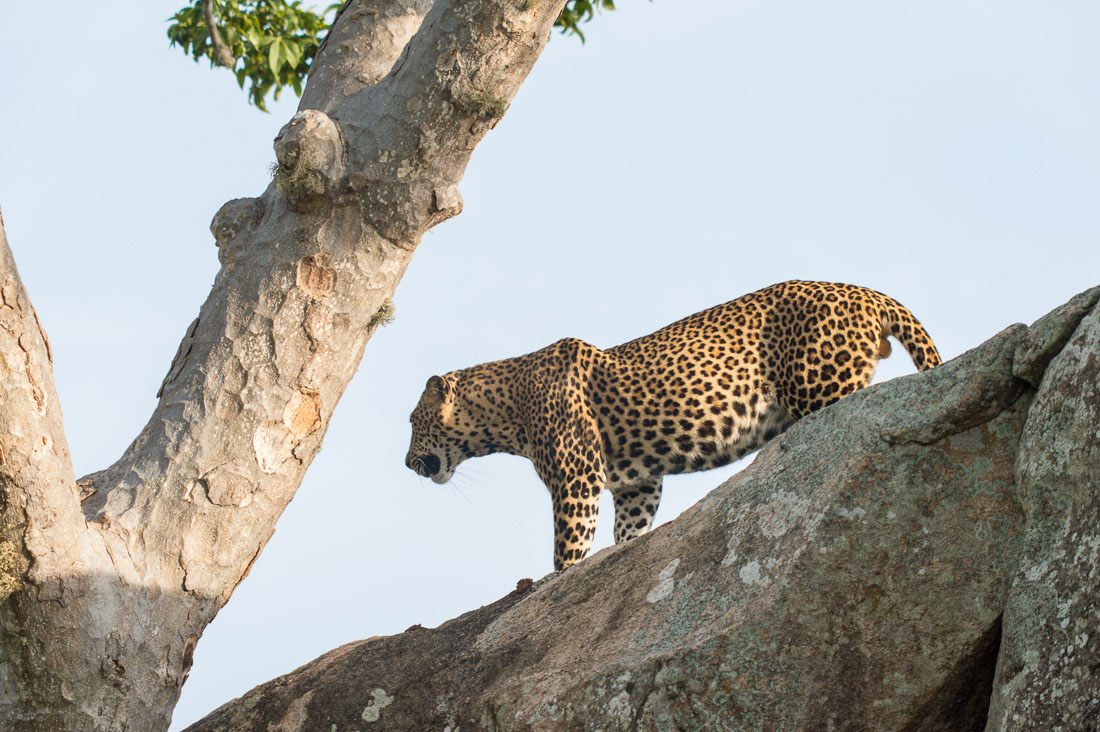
[697, 394]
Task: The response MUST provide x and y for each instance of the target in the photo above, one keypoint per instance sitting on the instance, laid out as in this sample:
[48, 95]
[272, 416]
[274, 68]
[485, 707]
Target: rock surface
[1048, 672]
[924, 555]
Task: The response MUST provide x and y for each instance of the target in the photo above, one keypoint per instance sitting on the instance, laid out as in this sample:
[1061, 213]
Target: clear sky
[945, 152]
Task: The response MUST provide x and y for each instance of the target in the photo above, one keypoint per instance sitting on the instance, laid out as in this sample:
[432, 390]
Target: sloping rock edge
[923, 555]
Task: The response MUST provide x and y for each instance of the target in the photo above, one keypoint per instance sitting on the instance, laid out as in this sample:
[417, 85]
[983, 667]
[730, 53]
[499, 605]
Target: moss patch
[483, 104]
[297, 182]
[385, 314]
[11, 580]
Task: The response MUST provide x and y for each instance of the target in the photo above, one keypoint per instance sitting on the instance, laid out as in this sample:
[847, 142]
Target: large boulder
[1048, 671]
[925, 554]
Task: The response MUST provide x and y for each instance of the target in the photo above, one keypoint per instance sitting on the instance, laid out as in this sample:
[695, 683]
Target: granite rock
[923, 555]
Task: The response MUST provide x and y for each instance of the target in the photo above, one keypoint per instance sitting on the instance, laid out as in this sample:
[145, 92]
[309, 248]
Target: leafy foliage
[273, 42]
[576, 12]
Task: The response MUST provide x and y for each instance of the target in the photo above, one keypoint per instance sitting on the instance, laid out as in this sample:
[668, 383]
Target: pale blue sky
[944, 152]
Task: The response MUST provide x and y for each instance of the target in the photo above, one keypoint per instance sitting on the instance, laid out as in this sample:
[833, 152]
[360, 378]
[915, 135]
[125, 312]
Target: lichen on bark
[11, 570]
[385, 314]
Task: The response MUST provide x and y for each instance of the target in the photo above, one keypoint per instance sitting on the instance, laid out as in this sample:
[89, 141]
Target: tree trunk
[103, 601]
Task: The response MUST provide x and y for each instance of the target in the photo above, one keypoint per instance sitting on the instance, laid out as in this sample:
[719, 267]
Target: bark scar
[39, 394]
[315, 277]
[45, 338]
[302, 414]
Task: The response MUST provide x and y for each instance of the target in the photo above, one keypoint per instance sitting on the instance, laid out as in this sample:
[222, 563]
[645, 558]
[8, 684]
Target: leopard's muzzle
[425, 465]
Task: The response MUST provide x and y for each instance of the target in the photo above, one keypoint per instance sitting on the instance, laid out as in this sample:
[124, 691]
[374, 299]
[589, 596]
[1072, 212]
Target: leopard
[697, 394]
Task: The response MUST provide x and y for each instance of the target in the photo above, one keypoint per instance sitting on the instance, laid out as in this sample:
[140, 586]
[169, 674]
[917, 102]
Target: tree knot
[310, 154]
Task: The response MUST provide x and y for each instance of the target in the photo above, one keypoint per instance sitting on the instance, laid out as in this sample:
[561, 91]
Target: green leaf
[293, 53]
[275, 55]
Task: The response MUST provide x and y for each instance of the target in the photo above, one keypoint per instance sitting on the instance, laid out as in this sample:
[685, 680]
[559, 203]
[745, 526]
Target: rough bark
[855, 576]
[106, 600]
[47, 557]
[360, 53]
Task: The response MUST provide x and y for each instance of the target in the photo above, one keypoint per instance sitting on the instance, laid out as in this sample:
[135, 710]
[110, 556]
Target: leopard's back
[716, 385]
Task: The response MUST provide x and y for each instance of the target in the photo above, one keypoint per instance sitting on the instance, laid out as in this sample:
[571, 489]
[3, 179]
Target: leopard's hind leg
[635, 508]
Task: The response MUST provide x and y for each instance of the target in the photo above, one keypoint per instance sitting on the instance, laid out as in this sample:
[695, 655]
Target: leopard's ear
[438, 389]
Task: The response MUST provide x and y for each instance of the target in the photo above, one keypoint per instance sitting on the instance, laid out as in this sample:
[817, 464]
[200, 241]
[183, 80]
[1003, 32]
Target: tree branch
[41, 511]
[417, 127]
[48, 558]
[248, 398]
[222, 55]
[366, 39]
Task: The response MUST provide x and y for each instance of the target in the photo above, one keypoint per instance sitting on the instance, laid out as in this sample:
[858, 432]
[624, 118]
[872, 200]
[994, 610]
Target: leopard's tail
[897, 321]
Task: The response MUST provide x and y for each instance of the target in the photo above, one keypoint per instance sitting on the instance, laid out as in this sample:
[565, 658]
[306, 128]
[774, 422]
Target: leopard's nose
[425, 465]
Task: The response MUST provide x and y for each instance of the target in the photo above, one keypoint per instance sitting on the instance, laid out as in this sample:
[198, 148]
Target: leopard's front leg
[576, 503]
[565, 445]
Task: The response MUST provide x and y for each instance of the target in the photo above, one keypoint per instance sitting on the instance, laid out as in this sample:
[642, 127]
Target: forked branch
[371, 163]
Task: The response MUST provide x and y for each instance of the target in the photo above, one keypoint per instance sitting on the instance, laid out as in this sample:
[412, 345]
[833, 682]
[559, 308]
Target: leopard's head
[442, 427]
